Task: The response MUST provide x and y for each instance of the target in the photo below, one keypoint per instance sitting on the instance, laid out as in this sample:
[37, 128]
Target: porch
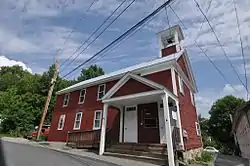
[149, 115]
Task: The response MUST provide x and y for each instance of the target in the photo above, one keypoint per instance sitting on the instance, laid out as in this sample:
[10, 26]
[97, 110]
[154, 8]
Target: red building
[144, 103]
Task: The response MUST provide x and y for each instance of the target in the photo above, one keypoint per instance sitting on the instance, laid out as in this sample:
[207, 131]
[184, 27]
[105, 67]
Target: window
[78, 120]
[82, 96]
[97, 119]
[192, 97]
[198, 130]
[66, 100]
[181, 85]
[101, 91]
[61, 122]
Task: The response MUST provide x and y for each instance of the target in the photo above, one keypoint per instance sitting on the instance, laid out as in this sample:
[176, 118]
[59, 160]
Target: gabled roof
[125, 78]
[120, 73]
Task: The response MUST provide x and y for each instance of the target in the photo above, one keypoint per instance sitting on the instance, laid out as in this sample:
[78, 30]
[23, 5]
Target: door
[130, 124]
[148, 125]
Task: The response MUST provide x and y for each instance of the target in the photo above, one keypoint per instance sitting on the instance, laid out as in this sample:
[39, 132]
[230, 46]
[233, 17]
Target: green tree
[19, 112]
[23, 95]
[220, 125]
[91, 72]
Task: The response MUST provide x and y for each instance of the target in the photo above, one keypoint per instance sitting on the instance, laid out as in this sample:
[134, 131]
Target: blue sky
[31, 31]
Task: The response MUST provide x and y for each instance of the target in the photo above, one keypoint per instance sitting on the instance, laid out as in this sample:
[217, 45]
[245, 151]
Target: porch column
[171, 161]
[121, 124]
[103, 129]
[179, 123]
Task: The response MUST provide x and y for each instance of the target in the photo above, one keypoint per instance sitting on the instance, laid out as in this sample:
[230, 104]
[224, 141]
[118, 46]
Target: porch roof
[136, 98]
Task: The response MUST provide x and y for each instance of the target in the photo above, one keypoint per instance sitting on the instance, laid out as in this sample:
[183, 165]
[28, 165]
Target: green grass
[6, 135]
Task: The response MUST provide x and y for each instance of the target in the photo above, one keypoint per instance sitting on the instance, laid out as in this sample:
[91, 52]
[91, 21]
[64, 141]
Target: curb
[62, 151]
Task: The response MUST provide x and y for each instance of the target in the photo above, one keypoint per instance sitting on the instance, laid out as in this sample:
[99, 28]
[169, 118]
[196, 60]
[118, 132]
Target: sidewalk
[60, 147]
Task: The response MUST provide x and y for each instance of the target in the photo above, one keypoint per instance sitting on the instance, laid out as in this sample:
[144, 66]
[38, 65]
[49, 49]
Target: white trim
[198, 129]
[123, 81]
[78, 128]
[139, 68]
[67, 94]
[121, 124]
[191, 97]
[104, 91]
[189, 68]
[168, 128]
[156, 69]
[162, 129]
[174, 81]
[184, 77]
[97, 128]
[181, 85]
[79, 102]
[103, 129]
[137, 95]
[62, 117]
[179, 123]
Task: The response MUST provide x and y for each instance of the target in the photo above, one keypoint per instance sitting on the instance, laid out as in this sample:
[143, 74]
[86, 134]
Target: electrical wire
[241, 44]
[102, 31]
[225, 54]
[202, 50]
[74, 27]
[203, 21]
[94, 32]
[129, 31]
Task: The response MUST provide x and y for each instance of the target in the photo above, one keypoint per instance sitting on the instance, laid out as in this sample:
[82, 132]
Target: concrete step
[138, 153]
[142, 147]
[147, 159]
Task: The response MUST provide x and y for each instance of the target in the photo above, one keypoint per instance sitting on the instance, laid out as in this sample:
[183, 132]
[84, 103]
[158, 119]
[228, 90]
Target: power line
[117, 45]
[241, 43]
[75, 26]
[202, 50]
[127, 37]
[94, 32]
[102, 31]
[129, 31]
[203, 21]
[225, 54]
[166, 12]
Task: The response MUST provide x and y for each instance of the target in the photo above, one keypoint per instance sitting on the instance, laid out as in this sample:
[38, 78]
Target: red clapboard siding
[188, 118]
[131, 87]
[183, 66]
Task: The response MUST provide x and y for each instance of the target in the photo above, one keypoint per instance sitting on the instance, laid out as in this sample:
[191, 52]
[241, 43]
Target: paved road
[13, 154]
[226, 160]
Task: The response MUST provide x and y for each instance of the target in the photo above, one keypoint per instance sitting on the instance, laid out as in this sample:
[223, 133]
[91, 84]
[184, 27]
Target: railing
[84, 139]
[90, 138]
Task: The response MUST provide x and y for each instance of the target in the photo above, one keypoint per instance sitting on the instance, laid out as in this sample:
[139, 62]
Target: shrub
[206, 156]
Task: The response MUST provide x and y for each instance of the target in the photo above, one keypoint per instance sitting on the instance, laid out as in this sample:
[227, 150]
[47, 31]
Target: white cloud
[206, 98]
[7, 62]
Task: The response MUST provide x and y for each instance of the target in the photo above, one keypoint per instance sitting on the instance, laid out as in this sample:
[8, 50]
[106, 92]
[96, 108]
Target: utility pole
[45, 110]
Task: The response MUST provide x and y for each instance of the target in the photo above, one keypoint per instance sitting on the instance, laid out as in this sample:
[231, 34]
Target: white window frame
[80, 96]
[192, 97]
[198, 129]
[98, 92]
[67, 94]
[181, 85]
[94, 127]
[61, 118]
[78, 128]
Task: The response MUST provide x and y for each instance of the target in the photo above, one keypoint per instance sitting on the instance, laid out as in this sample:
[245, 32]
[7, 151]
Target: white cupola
[170, 40]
